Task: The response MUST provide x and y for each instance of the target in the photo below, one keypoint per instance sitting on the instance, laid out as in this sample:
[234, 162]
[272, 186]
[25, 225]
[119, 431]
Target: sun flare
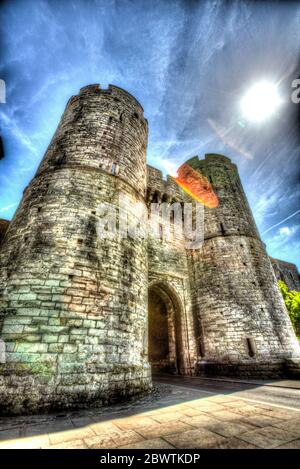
[260, 102]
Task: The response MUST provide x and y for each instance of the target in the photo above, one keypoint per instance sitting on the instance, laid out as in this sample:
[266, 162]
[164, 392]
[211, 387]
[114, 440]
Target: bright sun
[260, 102]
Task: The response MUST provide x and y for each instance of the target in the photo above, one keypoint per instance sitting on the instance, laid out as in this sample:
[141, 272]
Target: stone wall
[169, 275]
[287, 272]
[73, 305]
[4, 224]
[233, 318]
[241, 313]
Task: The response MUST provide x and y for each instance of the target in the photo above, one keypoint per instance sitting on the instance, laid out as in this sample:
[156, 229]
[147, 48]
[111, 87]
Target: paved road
[283, 393]
[191, 413]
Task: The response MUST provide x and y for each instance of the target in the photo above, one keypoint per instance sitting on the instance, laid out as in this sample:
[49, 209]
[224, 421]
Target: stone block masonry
[243, 322]
[3, 228]
[287, 272]
[73, 305]
[72, 319]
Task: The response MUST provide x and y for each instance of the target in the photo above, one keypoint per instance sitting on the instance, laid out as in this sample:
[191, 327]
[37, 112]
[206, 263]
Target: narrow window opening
[160, 231]
[222, 228]
[114, 169]
[79, 241]
[172, 216]
[251, 346]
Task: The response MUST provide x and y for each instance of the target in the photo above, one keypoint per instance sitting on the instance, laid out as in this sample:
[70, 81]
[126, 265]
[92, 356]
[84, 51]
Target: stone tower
[242, 322]
[73, 306]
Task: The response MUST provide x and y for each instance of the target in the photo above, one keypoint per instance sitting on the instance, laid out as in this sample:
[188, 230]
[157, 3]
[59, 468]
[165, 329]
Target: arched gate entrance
[166, 352]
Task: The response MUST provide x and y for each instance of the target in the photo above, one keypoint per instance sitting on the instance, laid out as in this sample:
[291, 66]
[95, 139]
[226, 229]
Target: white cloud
[285, 230]
[8, 207]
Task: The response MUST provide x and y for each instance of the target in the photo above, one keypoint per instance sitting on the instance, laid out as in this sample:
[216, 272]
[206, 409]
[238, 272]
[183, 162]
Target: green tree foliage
[292, 302]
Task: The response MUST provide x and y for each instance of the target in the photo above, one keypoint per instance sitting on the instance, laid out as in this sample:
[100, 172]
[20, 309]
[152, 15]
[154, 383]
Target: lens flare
[196, 185]
[260, 102]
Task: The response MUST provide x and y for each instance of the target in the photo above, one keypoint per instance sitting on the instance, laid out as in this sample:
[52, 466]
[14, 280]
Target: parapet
[217, 156]
[210, 158]
[112, 90]
[287, 272]
[283, 263]
[168, 186]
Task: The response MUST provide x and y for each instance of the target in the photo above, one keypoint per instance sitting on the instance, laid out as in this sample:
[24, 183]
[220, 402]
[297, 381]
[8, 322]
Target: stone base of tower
[255, 369]
[23, 393]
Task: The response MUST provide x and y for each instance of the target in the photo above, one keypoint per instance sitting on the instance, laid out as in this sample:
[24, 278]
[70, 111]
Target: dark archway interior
[158, 333]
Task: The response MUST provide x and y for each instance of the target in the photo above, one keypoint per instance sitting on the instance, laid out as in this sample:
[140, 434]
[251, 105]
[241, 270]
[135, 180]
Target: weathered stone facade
[3, 228]
[73, 305]
[287, 272]
[232, 317]
[74, 308]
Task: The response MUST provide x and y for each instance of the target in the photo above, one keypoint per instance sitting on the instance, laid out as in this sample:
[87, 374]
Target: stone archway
[165, 348]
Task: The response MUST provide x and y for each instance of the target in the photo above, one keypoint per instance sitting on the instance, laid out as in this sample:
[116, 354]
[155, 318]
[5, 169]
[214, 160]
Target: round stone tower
[73, 311]
[244, 327]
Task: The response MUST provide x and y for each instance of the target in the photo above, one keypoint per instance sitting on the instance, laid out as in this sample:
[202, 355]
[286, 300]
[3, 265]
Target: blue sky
[187, 62]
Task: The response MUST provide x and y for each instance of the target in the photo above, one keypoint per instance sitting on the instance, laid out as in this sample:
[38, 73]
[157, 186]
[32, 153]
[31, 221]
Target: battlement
[286, 271]
[285, 263]
[109, 127]
[209, 159]
[217, 156]
[115, 91]
[167, 186]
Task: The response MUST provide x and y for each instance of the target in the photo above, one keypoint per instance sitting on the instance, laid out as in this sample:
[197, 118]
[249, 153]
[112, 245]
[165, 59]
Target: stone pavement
[173, 418]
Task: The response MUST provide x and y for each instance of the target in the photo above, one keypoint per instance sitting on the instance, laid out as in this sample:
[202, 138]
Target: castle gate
[166, 353]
